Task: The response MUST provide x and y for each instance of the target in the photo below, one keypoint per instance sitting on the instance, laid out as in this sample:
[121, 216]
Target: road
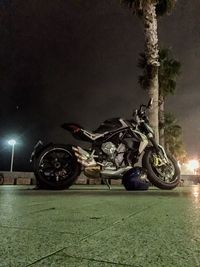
[94, 226]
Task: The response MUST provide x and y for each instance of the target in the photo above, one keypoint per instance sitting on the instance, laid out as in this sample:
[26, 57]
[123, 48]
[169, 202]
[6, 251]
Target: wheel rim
[165, 171]
[56, 165]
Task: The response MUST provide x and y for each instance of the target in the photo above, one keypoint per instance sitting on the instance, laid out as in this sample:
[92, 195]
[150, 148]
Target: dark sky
[76, 60]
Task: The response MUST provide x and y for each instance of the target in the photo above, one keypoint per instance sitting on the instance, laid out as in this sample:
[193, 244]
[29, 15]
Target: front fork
[160, 151]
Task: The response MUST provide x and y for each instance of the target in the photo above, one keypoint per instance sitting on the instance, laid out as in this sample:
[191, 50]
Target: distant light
[12, 142]
[193, 164]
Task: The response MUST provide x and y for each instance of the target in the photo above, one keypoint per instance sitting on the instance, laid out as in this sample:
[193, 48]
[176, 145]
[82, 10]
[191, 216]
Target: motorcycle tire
[155, 176]
[56, 167]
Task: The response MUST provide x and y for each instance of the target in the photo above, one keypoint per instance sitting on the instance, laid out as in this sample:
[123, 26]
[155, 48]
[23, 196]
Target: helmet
[132, 179]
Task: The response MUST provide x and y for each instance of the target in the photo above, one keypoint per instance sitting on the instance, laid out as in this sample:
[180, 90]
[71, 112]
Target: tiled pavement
[92, 226]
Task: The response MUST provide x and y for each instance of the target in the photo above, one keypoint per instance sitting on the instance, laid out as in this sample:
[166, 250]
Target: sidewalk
[92, 226]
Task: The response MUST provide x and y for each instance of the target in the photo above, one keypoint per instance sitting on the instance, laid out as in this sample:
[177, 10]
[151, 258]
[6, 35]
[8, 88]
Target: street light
[12, 143]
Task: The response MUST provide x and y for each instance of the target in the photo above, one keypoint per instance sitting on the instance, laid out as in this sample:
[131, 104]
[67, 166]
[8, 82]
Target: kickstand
[107, 183]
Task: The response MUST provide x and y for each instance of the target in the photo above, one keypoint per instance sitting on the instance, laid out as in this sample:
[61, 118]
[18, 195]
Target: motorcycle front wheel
[162, 175]
[56, 167]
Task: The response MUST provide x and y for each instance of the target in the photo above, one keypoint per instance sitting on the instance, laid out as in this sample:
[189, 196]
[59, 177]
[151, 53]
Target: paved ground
[92, 226]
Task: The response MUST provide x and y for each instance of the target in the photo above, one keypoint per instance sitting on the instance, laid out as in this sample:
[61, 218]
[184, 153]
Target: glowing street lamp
[12, 143]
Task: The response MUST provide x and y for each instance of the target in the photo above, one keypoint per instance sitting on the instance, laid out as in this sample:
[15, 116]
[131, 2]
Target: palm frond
[144, 78]
[162, 7]
[142, 61]
[165, 7]
[136, 6]
[168, 73]
[173, 136]
[128, 3]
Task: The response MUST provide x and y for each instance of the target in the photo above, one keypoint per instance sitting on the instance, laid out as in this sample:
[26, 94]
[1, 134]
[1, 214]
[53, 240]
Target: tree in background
[168, 73]
[173, 137]
[148, 10]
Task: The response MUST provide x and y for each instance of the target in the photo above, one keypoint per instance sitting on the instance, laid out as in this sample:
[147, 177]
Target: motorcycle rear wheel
[56, 167]
[166, 176]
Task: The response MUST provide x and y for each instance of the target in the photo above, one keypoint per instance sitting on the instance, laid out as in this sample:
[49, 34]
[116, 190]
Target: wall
[28, 178]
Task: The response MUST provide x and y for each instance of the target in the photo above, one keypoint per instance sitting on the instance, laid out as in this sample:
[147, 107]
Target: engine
[109, 149]
[111, 165]
[115, 154]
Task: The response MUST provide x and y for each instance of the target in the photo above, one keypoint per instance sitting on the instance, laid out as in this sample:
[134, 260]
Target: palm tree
[148, 10]
[167, 75]
[173, 136]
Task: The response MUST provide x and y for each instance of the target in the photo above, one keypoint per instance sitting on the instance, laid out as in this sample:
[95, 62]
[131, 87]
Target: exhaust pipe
[115, 173]
[84, 158]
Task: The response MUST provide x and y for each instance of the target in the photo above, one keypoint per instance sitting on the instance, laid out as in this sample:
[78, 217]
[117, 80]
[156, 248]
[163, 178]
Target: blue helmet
[132, 179]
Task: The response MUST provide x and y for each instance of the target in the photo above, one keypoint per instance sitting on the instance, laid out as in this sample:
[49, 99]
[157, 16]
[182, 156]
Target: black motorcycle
[115, 147]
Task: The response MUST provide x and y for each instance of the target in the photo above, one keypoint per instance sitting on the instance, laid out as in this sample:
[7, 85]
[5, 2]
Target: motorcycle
[115, 147]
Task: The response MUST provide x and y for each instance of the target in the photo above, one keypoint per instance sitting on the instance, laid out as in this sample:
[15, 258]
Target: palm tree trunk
[161, 120]
[151, 51]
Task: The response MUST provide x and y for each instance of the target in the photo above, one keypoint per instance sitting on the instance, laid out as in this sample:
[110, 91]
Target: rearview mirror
[150, 103]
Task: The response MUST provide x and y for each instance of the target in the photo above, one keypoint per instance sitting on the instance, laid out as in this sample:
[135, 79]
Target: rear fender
[38, 148]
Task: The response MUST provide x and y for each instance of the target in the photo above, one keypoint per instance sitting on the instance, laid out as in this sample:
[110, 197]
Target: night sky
[76, 60]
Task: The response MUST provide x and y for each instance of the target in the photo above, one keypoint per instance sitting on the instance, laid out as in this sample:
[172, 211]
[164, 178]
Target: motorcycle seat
[80, 133]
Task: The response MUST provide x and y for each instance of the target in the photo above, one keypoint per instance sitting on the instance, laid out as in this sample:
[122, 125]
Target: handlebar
[143, 107]
[141, 112]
